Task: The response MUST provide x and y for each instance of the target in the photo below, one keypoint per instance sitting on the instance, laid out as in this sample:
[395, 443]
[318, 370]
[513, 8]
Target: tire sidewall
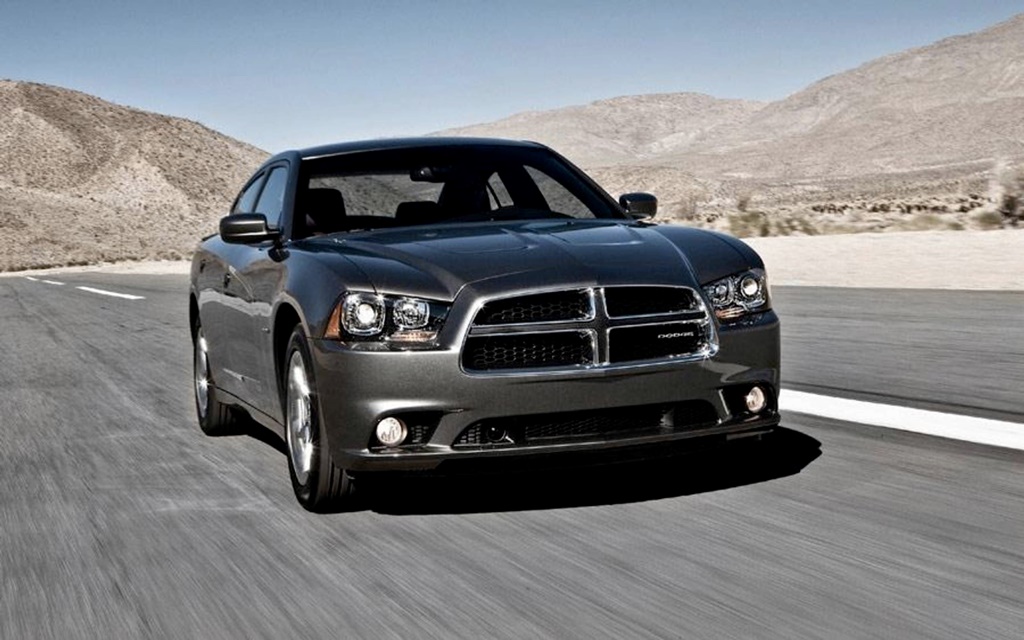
[307, 493]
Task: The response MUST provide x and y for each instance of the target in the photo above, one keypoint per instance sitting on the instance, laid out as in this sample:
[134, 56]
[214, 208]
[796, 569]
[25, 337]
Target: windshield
[442, 185]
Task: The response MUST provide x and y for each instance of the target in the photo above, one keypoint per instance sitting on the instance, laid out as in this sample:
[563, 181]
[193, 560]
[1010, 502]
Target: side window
[247, 199]
[271, 200]
[559, 199]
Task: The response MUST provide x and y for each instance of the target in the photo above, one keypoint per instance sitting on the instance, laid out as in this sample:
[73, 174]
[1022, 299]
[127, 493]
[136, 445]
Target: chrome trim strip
[697, 321]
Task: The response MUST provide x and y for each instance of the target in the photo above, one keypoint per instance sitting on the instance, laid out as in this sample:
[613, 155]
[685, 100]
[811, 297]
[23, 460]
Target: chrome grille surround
[692, 327]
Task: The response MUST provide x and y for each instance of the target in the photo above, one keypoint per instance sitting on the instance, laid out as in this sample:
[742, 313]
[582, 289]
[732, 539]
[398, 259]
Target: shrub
[988, 220]
[748, 224]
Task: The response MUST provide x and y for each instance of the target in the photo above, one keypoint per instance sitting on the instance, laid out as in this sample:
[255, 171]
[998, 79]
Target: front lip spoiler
[431, 457]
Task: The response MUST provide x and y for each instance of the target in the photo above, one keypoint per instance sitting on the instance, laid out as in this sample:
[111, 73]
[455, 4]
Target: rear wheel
[214, 417]
[319, 483]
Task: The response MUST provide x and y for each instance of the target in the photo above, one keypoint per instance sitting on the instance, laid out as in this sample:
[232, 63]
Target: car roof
[409, 143]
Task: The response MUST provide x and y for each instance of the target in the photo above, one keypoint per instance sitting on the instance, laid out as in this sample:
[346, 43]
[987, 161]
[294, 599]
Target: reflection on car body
[411, 304]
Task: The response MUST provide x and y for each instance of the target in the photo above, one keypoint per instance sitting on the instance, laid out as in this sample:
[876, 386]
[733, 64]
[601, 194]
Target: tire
[215, 418]
[320, 484]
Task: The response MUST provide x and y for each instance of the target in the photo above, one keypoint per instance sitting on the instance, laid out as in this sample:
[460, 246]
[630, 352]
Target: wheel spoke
[299, 418]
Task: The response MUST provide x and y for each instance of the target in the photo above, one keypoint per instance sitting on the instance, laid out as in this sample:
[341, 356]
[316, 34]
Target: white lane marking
[59, 284]
[114, 294]
[934, 423]
[32, 279]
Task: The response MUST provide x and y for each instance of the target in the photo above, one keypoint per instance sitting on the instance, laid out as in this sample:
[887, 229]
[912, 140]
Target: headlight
[399, 322]
[738, 295]
[411, 313]
[362, 314]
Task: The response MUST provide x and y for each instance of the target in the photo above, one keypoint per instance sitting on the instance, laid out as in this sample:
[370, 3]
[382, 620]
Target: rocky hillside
[620, 130]
[956, 102]
[83, 180]
[926, 138]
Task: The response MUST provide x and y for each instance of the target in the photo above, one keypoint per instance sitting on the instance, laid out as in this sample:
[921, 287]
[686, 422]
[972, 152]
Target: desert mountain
[84, 180]
[926, 138]
[609, 136]
[959, 101]
[619, 130]
[929, 130]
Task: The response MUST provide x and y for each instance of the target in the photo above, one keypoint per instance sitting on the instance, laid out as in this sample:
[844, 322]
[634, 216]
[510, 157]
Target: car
[413, 305]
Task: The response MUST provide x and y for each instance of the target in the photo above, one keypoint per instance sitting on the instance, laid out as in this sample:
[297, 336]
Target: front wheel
[319, 483]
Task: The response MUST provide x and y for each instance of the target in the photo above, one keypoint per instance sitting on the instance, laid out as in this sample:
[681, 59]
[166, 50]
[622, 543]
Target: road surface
[118, 518]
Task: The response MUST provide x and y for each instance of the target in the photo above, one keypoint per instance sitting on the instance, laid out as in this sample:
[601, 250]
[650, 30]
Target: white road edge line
[995, 433]
[32, 279]
[59, 284]
[114, 294]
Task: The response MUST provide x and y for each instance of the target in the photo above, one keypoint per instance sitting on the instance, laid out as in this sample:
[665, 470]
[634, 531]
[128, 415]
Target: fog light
[496, 434]
[391, 432]
[756, 400]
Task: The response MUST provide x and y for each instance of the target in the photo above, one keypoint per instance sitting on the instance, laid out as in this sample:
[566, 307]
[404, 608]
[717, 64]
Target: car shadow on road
[785, 453]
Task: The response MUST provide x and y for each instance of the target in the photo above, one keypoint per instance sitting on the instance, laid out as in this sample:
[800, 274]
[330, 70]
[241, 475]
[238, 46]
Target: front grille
[588, 328]
[558, 306]
[643, 301]
[600, 424]
[651, 342]
[528, 351]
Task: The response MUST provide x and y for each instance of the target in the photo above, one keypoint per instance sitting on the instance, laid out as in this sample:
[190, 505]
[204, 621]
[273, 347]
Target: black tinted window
[272, 198]
[441, 185]
[247, 200]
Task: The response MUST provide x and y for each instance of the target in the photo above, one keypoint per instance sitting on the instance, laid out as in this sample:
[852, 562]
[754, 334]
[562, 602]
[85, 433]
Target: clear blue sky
[293, 73]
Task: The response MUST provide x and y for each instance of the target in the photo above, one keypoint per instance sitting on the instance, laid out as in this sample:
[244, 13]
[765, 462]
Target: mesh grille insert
[559, 306]
[527, 351]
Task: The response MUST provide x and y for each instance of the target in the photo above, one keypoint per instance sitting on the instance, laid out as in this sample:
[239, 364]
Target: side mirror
[639, 206]
[246, 228]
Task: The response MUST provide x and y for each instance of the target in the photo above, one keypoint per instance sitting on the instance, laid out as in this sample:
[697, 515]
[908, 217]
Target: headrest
[418, 212]
[326, 209]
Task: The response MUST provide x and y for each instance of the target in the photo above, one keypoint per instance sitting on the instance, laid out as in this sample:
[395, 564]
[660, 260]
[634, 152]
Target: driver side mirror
[639, 206]
[246, 228]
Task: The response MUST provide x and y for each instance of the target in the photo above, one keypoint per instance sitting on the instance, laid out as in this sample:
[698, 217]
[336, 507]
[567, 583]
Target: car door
[221, 300]
[254, 279]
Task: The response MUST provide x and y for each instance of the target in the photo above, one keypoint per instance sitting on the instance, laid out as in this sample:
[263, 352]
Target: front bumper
[359, 388]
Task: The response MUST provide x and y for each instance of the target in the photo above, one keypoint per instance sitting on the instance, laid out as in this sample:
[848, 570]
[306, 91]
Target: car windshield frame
[450, 169]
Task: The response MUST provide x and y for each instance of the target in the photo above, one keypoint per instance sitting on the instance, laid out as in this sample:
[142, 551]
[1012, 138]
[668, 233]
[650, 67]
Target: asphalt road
[119, 519]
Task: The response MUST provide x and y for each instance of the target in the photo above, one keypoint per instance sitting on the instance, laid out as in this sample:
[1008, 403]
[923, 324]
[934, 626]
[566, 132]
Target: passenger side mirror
[639, 206]
[246, 228]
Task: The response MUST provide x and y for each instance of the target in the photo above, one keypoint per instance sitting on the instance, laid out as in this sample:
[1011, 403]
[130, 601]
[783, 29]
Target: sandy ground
[988, 260]
[907, 260]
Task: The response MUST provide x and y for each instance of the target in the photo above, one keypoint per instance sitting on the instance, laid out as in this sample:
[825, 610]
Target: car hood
[439, 261]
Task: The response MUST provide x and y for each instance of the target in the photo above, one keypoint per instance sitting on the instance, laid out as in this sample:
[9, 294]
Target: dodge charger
[412, 305]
